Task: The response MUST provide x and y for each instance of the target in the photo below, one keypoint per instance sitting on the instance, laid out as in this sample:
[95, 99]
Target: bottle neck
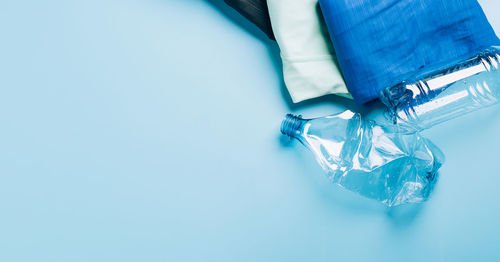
[292, 125]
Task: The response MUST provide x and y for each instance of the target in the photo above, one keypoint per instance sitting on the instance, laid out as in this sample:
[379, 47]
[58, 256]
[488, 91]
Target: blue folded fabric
[380, 42]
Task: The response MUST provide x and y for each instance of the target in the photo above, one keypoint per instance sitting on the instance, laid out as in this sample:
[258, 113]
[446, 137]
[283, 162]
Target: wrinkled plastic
[445, 92]
[373, 160]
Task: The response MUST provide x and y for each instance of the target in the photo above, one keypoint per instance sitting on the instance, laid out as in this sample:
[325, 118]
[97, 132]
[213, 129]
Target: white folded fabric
[309, 64]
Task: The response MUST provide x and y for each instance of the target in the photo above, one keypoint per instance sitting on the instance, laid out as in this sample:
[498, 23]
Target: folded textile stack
[378, 43]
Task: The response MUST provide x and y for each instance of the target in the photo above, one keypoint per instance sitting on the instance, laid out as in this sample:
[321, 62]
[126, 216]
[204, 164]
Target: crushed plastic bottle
[445, 92]
[373, 160]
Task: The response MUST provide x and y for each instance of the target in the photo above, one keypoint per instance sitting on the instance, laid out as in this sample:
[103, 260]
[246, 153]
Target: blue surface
[149, 131]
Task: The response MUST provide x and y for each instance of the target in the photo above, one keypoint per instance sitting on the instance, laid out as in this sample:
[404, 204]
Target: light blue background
[149, 131]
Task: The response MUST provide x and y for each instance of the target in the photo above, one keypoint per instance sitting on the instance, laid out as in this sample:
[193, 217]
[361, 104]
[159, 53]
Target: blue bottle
[446, 91]
[373, 160]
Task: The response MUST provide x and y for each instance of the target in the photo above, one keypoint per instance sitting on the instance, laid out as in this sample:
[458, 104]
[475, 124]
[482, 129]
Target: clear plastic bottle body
[375, 161]
[446, 92]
